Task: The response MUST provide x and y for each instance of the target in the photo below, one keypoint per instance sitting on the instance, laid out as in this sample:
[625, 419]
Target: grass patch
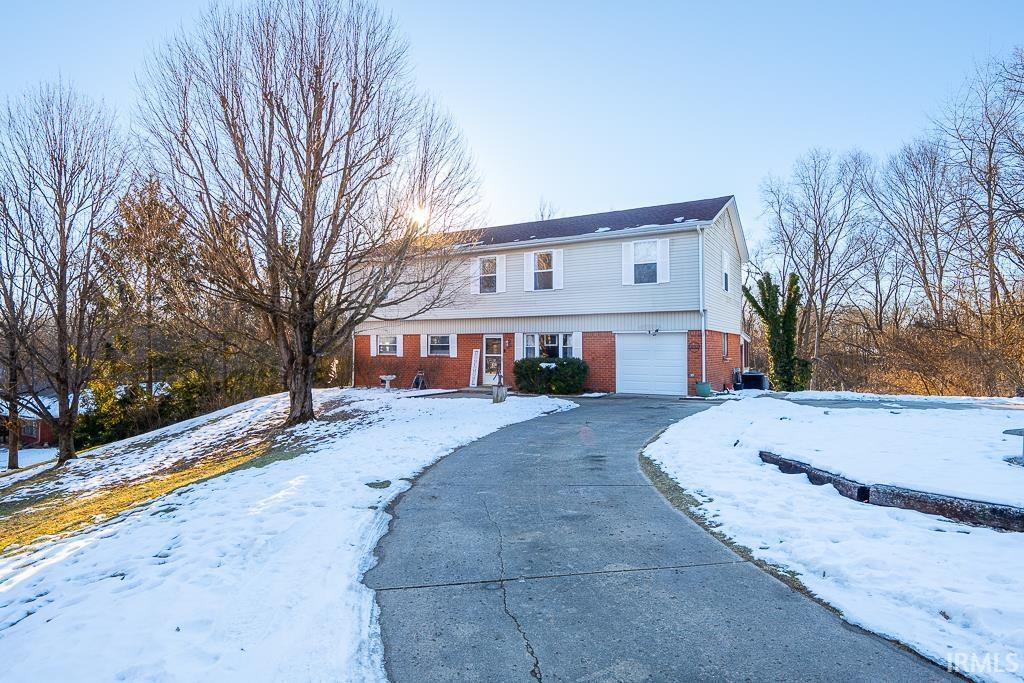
[26, 521]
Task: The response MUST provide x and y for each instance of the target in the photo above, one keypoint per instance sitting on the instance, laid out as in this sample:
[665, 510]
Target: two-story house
[650, 298]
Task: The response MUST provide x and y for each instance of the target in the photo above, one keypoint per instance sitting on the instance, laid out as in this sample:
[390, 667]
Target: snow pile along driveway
[253, 575]
[948, 590]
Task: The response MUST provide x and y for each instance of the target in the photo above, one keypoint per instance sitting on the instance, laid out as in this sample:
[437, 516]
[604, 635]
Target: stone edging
[1006, 517]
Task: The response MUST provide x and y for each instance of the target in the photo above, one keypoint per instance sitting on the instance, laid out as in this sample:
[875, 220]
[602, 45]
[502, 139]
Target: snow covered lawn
[29, 456]
[948, 590]
[252, 575]
[986, 401]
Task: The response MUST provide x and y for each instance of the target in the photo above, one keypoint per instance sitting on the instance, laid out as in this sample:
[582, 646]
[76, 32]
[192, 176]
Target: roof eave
[590, 236]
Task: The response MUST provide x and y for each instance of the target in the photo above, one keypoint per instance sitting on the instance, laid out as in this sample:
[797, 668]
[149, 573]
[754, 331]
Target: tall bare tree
[317, 186]
[61, 166]
[815, 218]
[915, 195]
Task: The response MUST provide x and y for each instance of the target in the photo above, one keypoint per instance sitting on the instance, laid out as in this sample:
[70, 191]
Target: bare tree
[61, 164]
[915, 195]
[814, 221]
[546, 210]
[17, 315]
[981, 127]
[317, 187]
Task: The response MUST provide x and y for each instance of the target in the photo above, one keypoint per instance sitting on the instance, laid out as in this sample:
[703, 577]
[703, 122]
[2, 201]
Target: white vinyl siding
[600, 322]
[725, 308]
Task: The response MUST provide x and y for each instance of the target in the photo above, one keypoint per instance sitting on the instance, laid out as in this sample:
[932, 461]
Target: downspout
[703, 309]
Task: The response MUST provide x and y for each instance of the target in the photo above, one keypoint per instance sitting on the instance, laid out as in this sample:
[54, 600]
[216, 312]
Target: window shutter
[519, 346]
[528, 261]
[474, 275]
[398, 340]
[627, 263]
[501, 272]
[373, 345]
[577, 344]
[663, 261]
[453, 349]
[556, 267]
[424, 350]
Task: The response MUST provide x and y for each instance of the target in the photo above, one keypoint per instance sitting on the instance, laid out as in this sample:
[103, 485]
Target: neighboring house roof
[683, 213]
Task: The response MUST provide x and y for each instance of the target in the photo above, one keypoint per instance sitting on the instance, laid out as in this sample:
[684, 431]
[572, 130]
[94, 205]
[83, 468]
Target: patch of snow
[548, 366]
[602, 230]
[989, 401]
[31, 456]
[594, 394]
[253, 575]
[938, 586]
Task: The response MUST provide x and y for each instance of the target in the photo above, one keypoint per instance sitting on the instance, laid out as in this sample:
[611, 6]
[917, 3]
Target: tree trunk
[13, 434]
[65, 441]
[300, 390]
[13, 421]
[300, 374]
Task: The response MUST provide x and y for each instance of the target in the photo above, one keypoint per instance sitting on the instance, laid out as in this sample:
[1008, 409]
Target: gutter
[703, 308]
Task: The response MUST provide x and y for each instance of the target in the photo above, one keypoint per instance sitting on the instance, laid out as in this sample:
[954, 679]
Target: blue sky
[599, 106]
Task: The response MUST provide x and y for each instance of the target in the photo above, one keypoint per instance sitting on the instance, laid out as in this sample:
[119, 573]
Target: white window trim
[375, 345]
[557, 270]
[576, 341]
[476, 272]
[453, 351]
[664, 262]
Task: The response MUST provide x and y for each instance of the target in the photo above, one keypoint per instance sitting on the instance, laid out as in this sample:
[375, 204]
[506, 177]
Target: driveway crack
[535, 670]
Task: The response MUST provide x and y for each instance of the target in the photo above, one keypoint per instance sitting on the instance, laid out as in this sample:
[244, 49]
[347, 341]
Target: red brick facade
[719, 367]
[445, 372]
[599, 353]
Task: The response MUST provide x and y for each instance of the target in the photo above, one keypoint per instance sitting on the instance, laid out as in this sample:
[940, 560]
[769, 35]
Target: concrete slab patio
[542, 553]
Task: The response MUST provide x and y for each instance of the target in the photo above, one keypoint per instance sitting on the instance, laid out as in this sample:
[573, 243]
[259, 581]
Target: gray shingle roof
[666, 214]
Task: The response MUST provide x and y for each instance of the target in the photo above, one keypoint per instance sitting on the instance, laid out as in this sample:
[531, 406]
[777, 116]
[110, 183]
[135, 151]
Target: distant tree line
[288, 181]
[911, 267]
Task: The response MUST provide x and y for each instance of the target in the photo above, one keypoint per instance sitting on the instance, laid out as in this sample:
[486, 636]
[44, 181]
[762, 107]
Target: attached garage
[650, 364]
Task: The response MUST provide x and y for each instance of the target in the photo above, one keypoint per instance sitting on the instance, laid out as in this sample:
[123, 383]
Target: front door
[492, 359]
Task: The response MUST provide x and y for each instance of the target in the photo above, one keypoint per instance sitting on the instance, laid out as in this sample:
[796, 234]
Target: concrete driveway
[542, 553]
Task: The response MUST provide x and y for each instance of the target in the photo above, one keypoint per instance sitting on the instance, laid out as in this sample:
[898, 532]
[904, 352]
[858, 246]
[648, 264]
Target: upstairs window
[543, 270]
[726, 268]
[488, 274]
[387, 346]
[645, 262]
[439, 345]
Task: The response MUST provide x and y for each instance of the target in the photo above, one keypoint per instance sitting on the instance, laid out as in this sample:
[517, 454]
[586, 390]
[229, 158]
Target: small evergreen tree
[778, 314]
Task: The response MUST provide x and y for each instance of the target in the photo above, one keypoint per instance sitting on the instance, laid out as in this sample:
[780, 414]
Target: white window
[439, 345]
[387, 346]
[543, 270]
[548, 345]
[726, 268]
[725, 345]
[30, 428]
[645, 262]
[488, 274]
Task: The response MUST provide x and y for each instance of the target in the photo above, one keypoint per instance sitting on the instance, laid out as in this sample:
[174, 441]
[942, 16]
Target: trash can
[755, 380]
[704, 389]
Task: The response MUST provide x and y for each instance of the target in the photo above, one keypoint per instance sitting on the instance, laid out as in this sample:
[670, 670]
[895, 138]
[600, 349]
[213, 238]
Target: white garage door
[646, 364]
